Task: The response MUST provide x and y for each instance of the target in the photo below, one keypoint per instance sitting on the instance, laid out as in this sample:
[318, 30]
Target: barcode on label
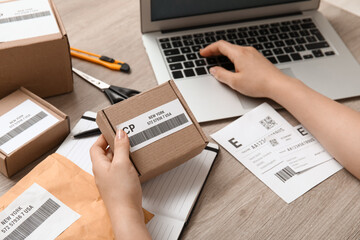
[157, 130]
[24, 17]
[34, 221]
[285, 174]
[268, 122]
[16, 131]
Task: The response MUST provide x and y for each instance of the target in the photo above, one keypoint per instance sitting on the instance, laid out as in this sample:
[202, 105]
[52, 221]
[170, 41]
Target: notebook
[291, 34]
[170, 196]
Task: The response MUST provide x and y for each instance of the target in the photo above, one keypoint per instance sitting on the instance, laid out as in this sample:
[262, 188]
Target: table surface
[234, 204]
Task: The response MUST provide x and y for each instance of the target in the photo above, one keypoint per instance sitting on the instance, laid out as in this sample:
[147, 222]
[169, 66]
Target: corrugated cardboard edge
[191, 115]
[4, 158]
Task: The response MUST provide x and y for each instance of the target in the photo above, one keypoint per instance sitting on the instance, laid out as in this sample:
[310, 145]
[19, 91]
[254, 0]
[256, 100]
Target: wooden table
[234, 203]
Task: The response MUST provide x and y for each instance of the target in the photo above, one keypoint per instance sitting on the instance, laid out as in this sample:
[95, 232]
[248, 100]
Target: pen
[88, 133]
[102, 60]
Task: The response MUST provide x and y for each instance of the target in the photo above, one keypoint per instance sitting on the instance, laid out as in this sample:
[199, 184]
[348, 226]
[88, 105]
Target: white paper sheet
[35, 214]
[23, 123]
[26, 19]
[256, 140]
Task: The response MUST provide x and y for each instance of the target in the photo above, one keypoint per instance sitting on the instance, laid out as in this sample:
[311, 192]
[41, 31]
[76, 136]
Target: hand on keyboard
[254, 75]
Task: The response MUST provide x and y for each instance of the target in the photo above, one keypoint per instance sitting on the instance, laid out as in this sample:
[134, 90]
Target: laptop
[292, 34]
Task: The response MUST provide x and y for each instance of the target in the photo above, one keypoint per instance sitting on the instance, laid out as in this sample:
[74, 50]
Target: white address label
[35, 214]
[155, 124]
[23, 123]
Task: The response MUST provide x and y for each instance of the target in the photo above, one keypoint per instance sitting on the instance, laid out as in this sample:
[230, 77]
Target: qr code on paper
[268, 122]
[273, 142]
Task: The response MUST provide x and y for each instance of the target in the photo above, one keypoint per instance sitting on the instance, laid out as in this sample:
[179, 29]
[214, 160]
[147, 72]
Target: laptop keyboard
[279, 42]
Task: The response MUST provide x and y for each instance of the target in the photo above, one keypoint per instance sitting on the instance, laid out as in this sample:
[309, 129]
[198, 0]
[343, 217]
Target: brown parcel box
[40, 144]
[40, 64]
[165, 153]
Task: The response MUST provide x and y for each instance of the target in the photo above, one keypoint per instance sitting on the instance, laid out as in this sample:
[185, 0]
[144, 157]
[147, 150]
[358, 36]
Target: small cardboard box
[19, 146]
[163, 132]
[42, 64]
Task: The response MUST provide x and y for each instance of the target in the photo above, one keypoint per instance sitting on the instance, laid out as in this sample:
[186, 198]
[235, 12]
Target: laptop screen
[169, 9]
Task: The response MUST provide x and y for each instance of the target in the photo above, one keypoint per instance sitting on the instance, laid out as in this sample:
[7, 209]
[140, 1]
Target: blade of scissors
[94, 81]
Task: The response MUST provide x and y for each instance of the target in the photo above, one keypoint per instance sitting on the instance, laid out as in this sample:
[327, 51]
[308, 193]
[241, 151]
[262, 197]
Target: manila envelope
[75, 188]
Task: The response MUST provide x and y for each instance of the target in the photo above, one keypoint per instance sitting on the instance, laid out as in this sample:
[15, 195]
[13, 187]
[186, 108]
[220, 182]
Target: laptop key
[175, 39]
[176, 66]
[209, 34]
[299, 48]
[253, 27]
[196, 48]
[210, 39]
[317, 34]
[232, 30]
[263, 32]
[174, 59]
[308, 56]
[170, 52]
[220, 37]
[290, 42]
[165, 45]
[283, 36]
[200, 62]
[187, 37]
[284, 29]
[289, 49]
[164, 40]
[190, 56]
[199, 40]
[283, 58]
[267, 53]
[240, 42]
[279, 44]
[307, 20]
[329, 53]
[177, 74]
[242, 29]
[311, 39]
[177, 44]
[317, 53]
[189, 72]
[278, 51]
[200, 71]
[294, 34]
[188, 42]
[262, 39]
[296, 57]
[231, 36]
[308, 25]
[273, 37]
[189, 64]
[253, 33]
[300, 40]
[220, 32]
[272, 60]
[258, 47]
[251, 40]
[274, 30]
[185, 50]
[242, 35]
[312, 46]
[269, 45]
[304, 33]
[198, 35]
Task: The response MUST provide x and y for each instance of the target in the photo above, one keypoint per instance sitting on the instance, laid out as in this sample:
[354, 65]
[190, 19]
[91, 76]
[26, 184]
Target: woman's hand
[254, 75]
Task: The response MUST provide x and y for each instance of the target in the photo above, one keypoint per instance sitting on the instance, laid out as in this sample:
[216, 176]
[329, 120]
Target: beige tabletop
[234, 204]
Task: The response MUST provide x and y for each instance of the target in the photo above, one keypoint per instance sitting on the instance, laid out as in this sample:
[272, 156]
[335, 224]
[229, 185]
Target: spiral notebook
[170, 196]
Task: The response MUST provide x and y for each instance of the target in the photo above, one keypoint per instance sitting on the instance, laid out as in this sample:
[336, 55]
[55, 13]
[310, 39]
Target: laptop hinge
[231, 22]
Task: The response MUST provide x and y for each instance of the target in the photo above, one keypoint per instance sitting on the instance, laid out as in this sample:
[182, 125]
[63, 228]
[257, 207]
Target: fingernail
[212, 71]
[120, 134]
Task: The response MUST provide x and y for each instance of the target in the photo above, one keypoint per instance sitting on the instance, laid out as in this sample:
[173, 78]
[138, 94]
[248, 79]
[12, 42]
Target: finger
[219, 48]
[223, 75]
[121, 145]
[98, 153]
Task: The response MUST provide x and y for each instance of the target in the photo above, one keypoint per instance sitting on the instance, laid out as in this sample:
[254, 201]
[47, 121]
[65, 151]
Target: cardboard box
[18, 125]
[162, 130]
[41, 64]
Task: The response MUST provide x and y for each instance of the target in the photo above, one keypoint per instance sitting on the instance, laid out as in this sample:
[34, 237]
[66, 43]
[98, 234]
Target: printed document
[288, 160]
[26, 19]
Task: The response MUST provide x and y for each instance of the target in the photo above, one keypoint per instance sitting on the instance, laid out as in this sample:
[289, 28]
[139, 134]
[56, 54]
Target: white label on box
[35, 214]
[155, 124]
[26, 19]
[23, 123]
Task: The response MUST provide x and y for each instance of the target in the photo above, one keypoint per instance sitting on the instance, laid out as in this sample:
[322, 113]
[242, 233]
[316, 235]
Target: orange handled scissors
[102, 60]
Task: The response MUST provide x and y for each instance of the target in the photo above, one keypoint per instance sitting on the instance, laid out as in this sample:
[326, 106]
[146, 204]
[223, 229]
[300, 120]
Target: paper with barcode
[23, 123]
[26, 19]
[35, 214]
[155, 124]
[259, 140]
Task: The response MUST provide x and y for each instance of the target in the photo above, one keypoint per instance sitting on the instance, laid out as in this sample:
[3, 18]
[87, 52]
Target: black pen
[88, 133]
